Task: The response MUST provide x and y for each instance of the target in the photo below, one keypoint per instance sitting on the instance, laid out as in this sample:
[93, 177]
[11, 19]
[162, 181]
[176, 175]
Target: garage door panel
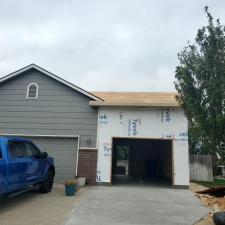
[56, 147]
[64, 152]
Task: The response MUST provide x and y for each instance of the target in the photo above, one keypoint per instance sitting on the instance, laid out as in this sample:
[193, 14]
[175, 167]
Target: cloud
[102, 45]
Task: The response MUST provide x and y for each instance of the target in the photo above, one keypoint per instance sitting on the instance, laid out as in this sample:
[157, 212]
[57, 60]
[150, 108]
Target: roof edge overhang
[61, 80]
[127, 104]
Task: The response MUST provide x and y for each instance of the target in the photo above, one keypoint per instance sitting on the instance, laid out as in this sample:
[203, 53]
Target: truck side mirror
[44, 155]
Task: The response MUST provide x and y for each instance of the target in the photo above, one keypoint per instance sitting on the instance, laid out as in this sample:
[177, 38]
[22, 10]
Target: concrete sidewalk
[123, 205]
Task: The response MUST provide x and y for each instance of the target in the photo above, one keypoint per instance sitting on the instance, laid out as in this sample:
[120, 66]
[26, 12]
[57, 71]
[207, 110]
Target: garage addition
[142, 137]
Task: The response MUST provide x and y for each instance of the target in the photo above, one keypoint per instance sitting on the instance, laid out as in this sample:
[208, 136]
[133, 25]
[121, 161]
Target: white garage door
[64, 150]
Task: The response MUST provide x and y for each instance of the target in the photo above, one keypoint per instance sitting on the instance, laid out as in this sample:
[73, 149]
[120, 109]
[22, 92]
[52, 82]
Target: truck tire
[46, 187]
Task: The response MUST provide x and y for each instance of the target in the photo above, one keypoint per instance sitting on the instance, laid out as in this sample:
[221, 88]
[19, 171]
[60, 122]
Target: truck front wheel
[47, 185]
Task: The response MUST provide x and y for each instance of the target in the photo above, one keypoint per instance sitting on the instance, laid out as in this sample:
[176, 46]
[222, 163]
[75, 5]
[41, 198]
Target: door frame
[143, 138]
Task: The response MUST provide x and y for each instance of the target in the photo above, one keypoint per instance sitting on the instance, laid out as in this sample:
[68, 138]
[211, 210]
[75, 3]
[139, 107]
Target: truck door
[3, 173]
[18, 165]
[36, 165]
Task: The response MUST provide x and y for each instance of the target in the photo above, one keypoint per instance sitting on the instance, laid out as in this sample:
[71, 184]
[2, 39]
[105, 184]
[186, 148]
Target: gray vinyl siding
[59, 110]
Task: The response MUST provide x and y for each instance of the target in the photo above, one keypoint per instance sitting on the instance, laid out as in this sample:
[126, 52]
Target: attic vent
[32, 90]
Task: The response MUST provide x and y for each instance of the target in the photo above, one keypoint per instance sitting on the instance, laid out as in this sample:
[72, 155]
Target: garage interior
[142, 161]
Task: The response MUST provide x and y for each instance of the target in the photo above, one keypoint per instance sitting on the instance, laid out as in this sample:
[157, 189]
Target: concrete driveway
[33, 208]
[112, 205]
[123, 205]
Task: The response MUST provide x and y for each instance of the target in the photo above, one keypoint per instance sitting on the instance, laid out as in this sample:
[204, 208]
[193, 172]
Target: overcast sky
[116, 45]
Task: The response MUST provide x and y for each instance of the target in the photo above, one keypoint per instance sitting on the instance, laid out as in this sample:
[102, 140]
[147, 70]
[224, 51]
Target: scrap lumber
[216, 191]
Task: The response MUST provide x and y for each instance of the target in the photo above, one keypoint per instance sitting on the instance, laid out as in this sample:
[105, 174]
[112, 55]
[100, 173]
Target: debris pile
[217, 203]
[215, 198]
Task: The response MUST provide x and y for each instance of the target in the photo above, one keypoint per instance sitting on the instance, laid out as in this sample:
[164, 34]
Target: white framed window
[32, 90]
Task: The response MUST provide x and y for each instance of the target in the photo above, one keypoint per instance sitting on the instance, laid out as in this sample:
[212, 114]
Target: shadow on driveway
[33, 208]
[7, 204]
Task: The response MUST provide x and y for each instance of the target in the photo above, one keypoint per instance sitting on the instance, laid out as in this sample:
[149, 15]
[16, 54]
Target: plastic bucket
[70, 190]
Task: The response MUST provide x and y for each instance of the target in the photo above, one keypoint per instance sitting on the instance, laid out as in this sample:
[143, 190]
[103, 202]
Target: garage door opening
[143, 161]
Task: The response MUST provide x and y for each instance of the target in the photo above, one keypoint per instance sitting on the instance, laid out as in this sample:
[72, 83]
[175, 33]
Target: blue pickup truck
[23, 167]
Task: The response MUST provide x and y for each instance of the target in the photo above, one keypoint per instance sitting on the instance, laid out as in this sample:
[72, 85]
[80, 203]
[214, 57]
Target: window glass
[16, 148]
[32, 91]
[32, 150]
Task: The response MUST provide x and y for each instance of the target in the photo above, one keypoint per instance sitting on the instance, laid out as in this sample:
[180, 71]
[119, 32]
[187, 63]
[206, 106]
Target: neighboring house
[140, 134]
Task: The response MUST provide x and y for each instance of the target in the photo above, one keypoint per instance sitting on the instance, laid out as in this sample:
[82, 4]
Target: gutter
[132, 104]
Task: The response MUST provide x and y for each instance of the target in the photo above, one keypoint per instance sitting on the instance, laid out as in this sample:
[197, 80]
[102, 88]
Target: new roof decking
[144, 99]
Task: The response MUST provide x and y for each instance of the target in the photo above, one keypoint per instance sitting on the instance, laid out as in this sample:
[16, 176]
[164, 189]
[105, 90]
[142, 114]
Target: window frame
[28, 90]
[1, 154]
[35, 147]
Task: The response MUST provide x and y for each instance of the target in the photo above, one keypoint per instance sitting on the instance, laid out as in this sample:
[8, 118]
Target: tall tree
[200, 82]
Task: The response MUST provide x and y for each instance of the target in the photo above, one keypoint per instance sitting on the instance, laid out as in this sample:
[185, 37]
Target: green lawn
[215, 183]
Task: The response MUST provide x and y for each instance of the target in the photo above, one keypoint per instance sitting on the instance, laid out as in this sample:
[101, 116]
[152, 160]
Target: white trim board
[61, 80]
[41, 135]
[88, 148]
[78, 151]
[28, 91]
